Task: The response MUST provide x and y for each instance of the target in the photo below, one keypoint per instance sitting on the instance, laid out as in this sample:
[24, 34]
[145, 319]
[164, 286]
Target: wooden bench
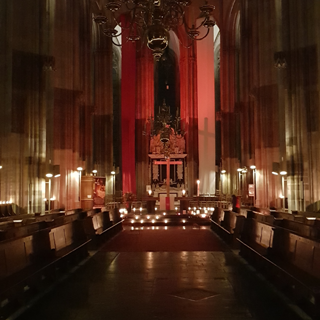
[227, 225]
[29, 262]
[289, 260]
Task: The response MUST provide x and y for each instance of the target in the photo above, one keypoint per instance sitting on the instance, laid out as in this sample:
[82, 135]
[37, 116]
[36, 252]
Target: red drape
[128, 98]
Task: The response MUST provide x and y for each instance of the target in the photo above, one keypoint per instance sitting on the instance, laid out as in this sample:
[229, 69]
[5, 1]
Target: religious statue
[180, 172]
[177, 143]
[172, 141]
[155, 171]
[180, 143]
[155, 144]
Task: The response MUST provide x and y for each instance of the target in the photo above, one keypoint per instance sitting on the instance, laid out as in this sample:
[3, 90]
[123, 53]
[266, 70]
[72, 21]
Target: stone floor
[160, 284]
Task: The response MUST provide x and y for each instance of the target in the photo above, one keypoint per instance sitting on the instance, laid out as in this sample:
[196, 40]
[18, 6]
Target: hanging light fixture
[151, 21]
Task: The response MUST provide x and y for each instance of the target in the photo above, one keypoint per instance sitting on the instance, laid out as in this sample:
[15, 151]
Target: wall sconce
[183, 192]
[198, 189]
[221, 180]
[80, 173]
[56, 171]
[275, 168]
[49, 176]
[279, 60]
[113, 184]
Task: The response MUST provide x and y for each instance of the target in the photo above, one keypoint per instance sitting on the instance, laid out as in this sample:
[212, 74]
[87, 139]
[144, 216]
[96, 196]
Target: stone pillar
[189, 113]
[144, 111]
[128, 112]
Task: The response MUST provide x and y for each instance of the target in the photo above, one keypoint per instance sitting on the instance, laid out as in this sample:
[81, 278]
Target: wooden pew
[100, 226]
[29, 262]
[228, 225]
[285, 257]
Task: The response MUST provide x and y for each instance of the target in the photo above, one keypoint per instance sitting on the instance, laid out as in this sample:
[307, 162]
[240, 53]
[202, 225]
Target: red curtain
[128, 98]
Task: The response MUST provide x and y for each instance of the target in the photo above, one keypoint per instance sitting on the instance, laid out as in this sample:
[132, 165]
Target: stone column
[144, 111]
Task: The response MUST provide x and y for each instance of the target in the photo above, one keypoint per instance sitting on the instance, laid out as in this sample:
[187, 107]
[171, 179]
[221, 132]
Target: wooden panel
[68, 231]
[16, 256]
[303, 256]
[267, 236]
[3, 263]
[97, 221]
[316, 262]
[59, 238]
[28, 243]
[52, 241]
[262, 234]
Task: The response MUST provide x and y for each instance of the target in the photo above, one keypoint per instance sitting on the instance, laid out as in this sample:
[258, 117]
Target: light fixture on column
[151, 21]
[275, 168]
[283, 173]
[221, 179]
[198, 188]
[113, 173]
[239, 180]
[49, 176]
[253, 168]
[80, 173]
[56, 171]
[280, 61]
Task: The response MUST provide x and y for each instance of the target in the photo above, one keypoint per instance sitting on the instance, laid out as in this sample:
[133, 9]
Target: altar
[167, 159]
[158, 178]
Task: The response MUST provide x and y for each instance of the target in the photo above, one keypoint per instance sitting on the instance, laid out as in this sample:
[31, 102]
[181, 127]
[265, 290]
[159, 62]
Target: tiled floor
[163, 285]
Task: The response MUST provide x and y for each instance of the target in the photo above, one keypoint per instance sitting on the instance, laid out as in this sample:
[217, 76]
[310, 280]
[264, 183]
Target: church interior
[198, 118]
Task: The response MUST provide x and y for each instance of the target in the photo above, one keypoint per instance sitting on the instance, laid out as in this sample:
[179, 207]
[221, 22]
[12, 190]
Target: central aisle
[145, 274]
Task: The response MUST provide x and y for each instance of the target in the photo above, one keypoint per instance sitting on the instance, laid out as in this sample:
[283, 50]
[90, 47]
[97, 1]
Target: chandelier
[151, 21]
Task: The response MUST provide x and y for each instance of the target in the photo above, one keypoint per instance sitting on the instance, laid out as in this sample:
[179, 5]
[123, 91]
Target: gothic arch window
[167, 78]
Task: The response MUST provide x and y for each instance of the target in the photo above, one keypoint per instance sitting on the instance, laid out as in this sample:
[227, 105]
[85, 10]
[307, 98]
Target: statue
[180, 143]
[155, 143]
